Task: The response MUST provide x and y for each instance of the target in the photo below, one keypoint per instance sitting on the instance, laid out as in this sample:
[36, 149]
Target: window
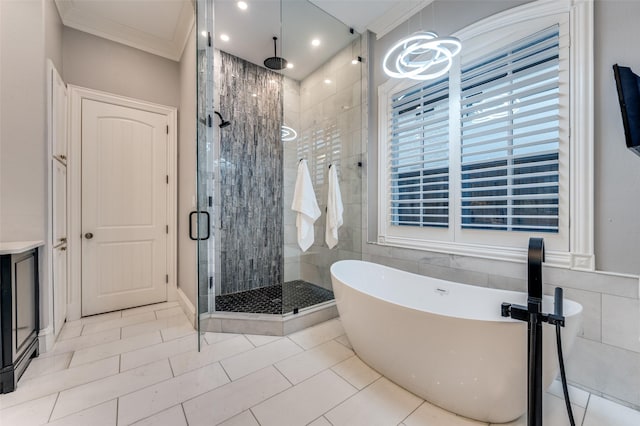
[510, 135]
[419, 172]
[479, 161]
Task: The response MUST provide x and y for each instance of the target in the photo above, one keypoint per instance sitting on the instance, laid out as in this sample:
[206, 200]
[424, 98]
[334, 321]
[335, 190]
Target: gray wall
[101, 64]
[53, 35]
[22, 121]
[617, 238]
[187, 276]
[30, 32]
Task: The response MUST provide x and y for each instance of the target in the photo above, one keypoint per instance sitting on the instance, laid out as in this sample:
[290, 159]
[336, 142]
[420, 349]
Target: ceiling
[161, 27]
[251, 33]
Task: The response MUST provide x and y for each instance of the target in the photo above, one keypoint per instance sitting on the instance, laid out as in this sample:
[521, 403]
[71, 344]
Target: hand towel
[334, 209]
[304, 202]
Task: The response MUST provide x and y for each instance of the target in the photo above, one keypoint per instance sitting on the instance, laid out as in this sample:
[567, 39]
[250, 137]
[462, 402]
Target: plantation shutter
[419, 155]
[509, 147]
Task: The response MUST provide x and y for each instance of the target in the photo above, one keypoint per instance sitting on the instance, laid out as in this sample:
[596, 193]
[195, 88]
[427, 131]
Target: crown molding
[79, 18]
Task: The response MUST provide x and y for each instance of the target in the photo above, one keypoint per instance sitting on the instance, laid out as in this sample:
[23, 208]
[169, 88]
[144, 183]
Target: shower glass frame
[205, 232]
[211, 163]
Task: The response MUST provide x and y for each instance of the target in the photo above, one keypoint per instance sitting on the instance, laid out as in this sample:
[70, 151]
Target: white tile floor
[141, 366]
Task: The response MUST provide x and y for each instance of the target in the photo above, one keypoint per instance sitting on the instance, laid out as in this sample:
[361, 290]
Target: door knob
[88, 235]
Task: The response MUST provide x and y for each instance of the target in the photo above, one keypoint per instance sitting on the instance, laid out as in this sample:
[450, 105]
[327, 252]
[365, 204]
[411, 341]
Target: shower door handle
[197, 237]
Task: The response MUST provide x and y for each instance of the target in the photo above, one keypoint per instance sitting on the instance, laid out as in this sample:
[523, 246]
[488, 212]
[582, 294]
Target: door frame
[74, 187]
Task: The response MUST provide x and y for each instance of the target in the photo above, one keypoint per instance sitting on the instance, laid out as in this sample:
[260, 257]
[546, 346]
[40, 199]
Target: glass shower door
[201, 217]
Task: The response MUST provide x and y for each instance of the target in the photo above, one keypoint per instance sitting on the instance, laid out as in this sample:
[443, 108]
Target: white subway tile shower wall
[330, 132]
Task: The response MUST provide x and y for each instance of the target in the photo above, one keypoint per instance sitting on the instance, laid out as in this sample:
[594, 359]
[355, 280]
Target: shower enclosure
[255, 125]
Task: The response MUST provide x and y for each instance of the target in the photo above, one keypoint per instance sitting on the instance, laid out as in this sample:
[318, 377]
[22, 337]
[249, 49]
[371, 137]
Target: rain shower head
[275, 62]
[223, 123]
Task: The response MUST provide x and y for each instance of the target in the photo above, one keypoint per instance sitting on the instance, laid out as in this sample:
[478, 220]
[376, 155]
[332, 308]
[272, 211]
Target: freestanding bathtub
[444, 341]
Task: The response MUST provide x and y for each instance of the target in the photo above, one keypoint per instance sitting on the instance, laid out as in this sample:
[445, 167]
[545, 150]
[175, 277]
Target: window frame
[572, 246]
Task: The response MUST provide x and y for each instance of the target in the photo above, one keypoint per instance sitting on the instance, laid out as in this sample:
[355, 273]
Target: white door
[58, 117]
[58, 141]
[124, 207]
[59, 261]
[60, 287]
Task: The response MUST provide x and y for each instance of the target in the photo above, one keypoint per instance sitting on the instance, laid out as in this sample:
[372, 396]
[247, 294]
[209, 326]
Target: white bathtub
[446, 342]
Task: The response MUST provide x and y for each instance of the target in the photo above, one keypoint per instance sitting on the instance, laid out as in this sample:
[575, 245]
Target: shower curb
[266, 324]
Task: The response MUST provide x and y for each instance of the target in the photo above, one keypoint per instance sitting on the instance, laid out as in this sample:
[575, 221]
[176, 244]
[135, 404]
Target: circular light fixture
[354, 62]
[289, 65]
[421, 56]
[204, 33]
[327, 81]
[255, 95]
[315, 42]
[288, 134]
[224, 37]
[242, 5]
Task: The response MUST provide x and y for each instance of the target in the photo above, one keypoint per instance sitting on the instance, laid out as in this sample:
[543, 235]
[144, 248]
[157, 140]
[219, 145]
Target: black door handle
[197, 237]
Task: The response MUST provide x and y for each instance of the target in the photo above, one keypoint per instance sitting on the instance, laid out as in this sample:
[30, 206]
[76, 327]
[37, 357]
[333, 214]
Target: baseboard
[46, 339]
[187, 307]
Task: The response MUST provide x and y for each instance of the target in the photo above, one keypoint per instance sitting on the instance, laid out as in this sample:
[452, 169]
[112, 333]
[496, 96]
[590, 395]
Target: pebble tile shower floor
[275, 299]
[141, 366]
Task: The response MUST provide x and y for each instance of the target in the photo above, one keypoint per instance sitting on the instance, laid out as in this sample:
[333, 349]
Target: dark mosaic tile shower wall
[251, 156]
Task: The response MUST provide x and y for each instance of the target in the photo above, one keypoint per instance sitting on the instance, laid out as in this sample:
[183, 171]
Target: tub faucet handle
[557, 317]
[517, 312]
[506, 309]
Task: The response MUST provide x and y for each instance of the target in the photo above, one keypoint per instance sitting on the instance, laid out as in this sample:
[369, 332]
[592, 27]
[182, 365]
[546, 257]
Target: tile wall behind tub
[605, 358]
[251, 178]
[331, 133]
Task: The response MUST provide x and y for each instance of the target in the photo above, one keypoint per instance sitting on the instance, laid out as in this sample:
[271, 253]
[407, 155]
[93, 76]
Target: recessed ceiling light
[315, 42]
[327, 81]
[224, 37]
[242, 5]
[204, 33]
[289, 65]
[254, 95]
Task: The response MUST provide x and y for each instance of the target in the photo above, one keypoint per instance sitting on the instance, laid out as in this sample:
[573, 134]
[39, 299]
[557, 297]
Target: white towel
[334, 209]
[304, 202]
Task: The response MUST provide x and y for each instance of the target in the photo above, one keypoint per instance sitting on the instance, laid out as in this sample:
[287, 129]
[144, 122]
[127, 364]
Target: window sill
[568, 260]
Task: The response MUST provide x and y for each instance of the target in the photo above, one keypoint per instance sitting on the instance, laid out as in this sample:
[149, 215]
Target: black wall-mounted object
[19, 316]
[628, 85]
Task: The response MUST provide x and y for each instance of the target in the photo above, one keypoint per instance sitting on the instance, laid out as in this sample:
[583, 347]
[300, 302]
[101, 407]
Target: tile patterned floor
[140, 366]
[274, 299]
